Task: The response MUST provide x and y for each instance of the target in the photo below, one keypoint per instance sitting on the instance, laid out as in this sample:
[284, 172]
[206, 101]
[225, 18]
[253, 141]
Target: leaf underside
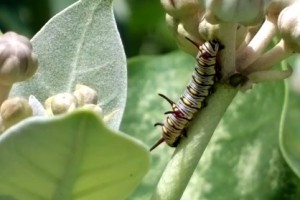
[72, 157]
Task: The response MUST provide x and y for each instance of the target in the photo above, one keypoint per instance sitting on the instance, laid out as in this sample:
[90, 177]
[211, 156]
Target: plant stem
[186, 157]
[227, 36]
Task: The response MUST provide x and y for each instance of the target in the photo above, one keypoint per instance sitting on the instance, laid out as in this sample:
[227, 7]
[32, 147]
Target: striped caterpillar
[194, 96]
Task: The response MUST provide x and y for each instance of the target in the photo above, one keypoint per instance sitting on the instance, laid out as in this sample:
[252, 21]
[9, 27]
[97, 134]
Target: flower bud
[183, 18]
[208, 30]
[289, 26]
[246, 12]
[85, 95]
[276, 6]
[61, 103]
[14, 110]
[181, 8]
[17, 61]
[181, 34]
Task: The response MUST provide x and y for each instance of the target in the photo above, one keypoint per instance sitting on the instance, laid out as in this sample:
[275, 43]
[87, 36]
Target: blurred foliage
[23, 16]
[144, 31]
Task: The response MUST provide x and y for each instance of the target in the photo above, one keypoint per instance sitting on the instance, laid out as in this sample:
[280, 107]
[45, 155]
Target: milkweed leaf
[80, 45]
[69, 157]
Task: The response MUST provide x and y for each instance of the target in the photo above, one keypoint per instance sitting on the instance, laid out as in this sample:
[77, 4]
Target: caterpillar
[194, 96]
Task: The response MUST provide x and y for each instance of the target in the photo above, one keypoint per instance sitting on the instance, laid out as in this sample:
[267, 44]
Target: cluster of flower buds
[82, 97]
[13, 110]
[257, 23]
[17, 63]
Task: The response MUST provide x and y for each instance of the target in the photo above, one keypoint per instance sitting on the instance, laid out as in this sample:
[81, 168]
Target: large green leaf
[290, 134]
[81, 45]
[71, 157]
[242, 161]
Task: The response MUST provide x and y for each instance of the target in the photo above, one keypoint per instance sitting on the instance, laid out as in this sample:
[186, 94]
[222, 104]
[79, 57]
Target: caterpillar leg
[218, 73]
[204, 104]
[212, 89]
[175, 144]
[184, 133]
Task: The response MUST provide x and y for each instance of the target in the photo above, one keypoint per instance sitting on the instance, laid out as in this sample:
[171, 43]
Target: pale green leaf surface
[71, 157]
[242, 161]
[81, 45]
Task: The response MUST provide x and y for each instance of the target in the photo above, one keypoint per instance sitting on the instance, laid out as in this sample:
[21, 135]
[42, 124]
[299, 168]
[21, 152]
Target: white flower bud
[17, 61]
[182, 8]
[208, 30]
[289, 26]
[14, 110]
[247, 60]
[61, 103]
[276, 6]
[85, 95]
[246, 12]
[183, 18]
[180, 33]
